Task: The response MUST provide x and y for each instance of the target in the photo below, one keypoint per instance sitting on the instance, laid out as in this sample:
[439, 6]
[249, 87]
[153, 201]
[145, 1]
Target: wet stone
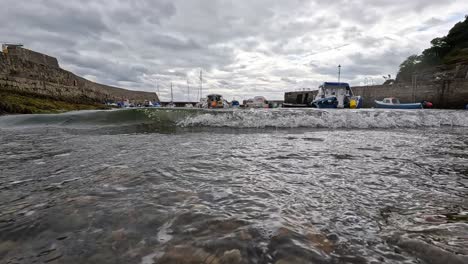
[188, 254]
[289, 260]
[245, 235]
[322, 242]
[62, 237]
[53, 258]
[397, 250]
[333, 237]
[231, 257]
[6, 246]
[119, 235]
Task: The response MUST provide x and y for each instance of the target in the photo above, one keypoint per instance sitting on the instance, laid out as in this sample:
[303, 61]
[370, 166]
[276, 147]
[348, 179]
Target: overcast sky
[245, 48]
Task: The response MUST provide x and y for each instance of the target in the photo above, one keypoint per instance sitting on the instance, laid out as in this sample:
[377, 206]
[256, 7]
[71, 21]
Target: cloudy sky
[244, 47]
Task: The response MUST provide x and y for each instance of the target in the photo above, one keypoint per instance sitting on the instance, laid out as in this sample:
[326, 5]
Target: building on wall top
[17, 51]
[5, 46]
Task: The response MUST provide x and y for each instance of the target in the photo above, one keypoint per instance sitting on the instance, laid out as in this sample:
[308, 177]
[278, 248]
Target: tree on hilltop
[408, 67]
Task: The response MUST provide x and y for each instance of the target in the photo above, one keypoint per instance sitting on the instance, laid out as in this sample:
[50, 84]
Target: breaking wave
[313, 118]
[155, 119]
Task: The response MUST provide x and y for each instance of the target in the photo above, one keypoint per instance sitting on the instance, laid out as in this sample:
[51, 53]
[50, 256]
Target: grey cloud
[136, 12]
[288, 80]
[243, 47]
[170, 42]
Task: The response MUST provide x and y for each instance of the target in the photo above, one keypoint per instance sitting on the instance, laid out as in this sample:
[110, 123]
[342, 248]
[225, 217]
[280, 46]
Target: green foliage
[450, 49]
[408, 67]
[15, 103]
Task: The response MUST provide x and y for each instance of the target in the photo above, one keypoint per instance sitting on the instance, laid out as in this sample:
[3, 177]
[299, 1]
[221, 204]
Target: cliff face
[28, 72]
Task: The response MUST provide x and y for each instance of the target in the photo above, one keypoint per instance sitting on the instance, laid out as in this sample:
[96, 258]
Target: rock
[290, 260]
[430, 253]
[119, 235]
[245, 235]
[333, 237]
[231, 257]
[435, 219]
[321, 242]
[188, 254]
[103, 256]
[53, 257]
[83, 200]
[458, 217]
[6, 247]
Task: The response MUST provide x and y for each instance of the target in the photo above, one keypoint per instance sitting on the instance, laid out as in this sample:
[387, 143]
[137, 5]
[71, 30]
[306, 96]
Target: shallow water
[190, 186]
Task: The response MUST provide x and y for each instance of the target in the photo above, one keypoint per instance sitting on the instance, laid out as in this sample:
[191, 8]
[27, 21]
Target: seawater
[234, 186]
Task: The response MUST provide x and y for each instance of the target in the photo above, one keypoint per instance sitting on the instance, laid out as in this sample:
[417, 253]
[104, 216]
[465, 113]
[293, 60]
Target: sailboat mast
[188, 92]
[157, 91]
[201, 84]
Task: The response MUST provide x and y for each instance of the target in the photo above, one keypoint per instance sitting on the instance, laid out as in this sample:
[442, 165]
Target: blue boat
[329, 102]
[394, 103]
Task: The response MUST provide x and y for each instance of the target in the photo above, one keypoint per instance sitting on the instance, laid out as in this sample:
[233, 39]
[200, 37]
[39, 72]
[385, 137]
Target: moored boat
[394, 103]
[336, 95]
[329, 102]
[235, 104]
[213, 101]
[256, 102]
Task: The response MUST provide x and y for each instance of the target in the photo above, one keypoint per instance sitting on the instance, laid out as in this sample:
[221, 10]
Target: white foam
[163, 235]
[334, 118]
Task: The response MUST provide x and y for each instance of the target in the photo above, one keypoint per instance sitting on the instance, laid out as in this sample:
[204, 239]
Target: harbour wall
[443, 94]
[28, 72]
[20, 53]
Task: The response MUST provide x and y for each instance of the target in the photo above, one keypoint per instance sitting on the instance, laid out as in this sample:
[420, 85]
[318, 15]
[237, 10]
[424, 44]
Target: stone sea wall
[443, 93]
[29, 76]
[33, 56]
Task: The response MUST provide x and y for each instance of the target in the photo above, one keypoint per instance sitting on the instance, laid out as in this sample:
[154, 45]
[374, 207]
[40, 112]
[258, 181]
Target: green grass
[16, 103]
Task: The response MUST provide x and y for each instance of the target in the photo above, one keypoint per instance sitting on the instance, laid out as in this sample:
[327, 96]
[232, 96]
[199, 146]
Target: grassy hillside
[15, 103]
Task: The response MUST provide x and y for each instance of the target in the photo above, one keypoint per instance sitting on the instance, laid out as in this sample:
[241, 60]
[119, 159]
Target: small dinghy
[394, 103]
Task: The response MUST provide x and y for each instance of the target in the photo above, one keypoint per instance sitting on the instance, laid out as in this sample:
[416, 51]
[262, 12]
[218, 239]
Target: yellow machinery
[353, 104]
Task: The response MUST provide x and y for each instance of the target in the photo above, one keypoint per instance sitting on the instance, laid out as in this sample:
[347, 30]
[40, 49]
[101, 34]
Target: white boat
[336, 95]
[213, 101]
[256, 102]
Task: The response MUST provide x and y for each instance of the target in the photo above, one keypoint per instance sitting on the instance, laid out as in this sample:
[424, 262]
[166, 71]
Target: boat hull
[383, 105]
[326, 106]
[287, 105]
[330, 102]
